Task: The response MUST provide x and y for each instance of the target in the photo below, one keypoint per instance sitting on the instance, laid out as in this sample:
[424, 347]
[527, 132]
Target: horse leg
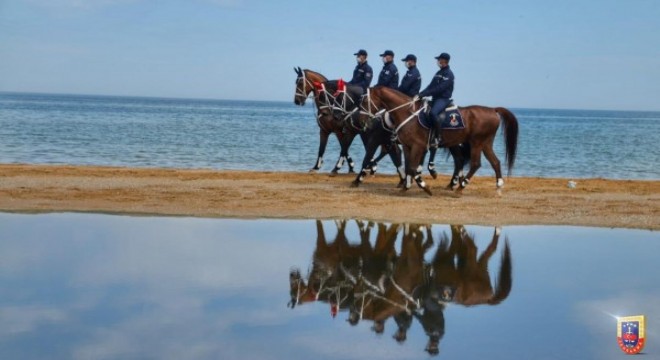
[346, 144]
[475, 164]
[323, 135]
[417, 157]
[495, 163]
[371, 147]
[384, 151]
[431, 164]
[459, 161]
[342, 154]
[395, 155]
[490, 250]
[410, 170]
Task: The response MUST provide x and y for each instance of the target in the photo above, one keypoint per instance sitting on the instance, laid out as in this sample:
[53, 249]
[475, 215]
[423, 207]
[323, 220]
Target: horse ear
[299, 71]
[295, 69]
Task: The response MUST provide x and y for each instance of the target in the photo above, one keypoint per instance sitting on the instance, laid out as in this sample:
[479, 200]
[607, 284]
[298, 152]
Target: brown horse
[459, 276]
[306, 83]
[481, 124]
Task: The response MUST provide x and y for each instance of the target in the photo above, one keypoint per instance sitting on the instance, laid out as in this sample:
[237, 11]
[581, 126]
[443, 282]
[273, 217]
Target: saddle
[450, 118]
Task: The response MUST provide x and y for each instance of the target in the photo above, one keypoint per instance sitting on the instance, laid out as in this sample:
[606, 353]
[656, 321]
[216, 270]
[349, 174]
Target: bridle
[324, 99]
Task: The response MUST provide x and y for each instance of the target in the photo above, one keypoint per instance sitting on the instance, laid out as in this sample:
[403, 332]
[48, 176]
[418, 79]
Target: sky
[572, 54]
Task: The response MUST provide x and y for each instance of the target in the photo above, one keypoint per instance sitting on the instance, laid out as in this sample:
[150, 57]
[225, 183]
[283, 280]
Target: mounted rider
[441, 89]
[412, 81]
[363, 73]
[389, 75]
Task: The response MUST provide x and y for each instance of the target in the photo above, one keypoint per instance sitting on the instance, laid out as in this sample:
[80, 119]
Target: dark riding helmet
[361, 52]
[410, 57]
[444, 56]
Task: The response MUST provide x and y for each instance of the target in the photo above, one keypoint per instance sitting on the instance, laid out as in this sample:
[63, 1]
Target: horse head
[302, 87]
[306, 81]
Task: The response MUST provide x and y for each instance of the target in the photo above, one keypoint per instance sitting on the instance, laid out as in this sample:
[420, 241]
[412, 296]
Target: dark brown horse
[370, 117]
[309, 82]
[481, 124]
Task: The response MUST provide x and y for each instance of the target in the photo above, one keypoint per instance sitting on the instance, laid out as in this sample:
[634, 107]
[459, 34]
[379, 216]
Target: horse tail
[510, 136]
[504, 279]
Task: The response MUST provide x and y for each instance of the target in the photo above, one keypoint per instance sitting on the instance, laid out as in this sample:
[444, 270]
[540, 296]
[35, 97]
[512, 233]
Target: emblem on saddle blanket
[631, 333]
[451, 119]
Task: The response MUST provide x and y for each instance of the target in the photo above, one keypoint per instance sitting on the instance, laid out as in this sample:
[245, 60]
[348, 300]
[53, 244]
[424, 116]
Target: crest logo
[453, 120]
[631, 333]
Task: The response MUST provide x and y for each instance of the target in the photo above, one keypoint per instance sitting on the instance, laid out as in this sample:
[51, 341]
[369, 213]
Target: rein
[382, 113]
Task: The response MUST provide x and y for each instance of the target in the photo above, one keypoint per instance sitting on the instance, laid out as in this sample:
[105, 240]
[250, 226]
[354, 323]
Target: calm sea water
[150, 132]
[82, 286]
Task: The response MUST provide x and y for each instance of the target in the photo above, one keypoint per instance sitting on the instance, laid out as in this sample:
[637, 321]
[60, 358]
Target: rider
[441, 89]
[363, 73]
[389, 75]
[412, 81]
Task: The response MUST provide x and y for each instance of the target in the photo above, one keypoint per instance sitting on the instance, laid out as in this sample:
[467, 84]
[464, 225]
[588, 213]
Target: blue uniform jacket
[362, 76]
[389, 76]
[442, 85]
[411, 82]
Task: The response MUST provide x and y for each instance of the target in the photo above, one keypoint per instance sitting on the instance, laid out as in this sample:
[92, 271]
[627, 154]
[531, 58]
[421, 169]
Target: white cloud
[19, 319]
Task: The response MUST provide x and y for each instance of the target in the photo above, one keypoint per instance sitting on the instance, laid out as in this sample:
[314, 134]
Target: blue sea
[280, 136]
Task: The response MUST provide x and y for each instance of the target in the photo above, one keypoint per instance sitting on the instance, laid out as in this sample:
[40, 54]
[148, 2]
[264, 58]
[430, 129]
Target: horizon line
[261, 100]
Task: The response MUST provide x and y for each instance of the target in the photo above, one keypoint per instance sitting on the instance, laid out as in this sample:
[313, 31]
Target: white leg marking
[500, 182]
[402, 172]
[340, 162]
[408, 181]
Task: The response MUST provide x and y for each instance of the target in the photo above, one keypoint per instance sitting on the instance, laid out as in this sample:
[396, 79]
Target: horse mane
[324, 79]
[393, 91]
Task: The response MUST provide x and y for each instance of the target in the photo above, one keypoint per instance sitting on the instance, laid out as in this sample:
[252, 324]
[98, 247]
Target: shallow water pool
[85, 286]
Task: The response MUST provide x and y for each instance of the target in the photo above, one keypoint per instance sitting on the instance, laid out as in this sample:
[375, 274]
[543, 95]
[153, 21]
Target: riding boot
[436, 141]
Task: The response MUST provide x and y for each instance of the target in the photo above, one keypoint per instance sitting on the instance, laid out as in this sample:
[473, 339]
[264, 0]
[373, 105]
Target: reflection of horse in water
[325, 281]
[457, 276]
[392, 295]
[375, 283]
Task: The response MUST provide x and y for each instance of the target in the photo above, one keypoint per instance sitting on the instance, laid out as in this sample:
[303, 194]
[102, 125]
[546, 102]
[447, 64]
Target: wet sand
[244, 194]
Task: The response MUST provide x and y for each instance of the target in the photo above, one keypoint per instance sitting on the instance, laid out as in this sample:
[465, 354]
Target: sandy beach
[242, 194]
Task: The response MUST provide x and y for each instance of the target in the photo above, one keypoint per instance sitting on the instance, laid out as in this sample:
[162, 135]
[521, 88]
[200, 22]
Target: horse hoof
[333, 173]
[313, 170]
[434, 174]
[355, 184]
[428, 191]
[351, 171]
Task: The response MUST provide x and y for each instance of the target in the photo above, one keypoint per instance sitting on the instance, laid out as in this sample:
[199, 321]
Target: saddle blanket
[450, 119]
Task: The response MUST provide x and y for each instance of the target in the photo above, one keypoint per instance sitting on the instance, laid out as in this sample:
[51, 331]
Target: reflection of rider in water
[432, 319]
